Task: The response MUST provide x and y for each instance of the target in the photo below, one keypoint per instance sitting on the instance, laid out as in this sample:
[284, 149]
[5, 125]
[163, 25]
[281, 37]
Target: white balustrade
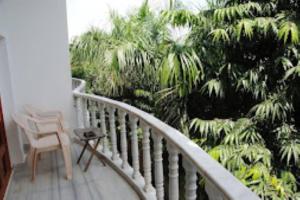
[86, 116]
[190, 180]
[219, 183]
[134, 147]
[103, 127]
[173, 173]
[147, 157]
[113, 136]
[158, 166]
[93, 114]
[213, 193]
[124, 154]
[79, 110]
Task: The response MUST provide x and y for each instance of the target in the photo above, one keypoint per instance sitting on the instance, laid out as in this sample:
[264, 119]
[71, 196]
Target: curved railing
[101, 112]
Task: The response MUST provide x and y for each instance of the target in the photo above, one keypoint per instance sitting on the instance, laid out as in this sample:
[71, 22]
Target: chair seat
[52, 141]
[48, 128]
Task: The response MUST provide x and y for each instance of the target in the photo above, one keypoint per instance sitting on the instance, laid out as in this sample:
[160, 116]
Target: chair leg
[68, 161]
[30, 157]
[34, 163]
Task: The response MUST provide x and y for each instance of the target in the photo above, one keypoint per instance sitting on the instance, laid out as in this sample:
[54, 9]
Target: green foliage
[285, 131]
[266, 25]
[237, 11]
[294, 71]
[180, 68]
[245, 28]
[180, 17]
[213, 86]
[229, 80]
[220, 35]
[288, 30]
[276, 107]
[243, 132]
[266, 185]
[212, 128]
[290, 150]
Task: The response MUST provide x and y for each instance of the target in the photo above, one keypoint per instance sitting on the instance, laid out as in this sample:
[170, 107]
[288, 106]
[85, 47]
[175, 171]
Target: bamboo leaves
[180, 17]
[290, 150]
[213, 87]
[294, 71]
[213, 128]
[266, 25]
[288, 31]
[245, 28]
[236, 11]
[276, 107]
[237, 132]
[220, 35]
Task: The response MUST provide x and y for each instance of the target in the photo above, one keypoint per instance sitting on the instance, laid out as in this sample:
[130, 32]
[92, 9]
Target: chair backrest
[25, 123]
[35, 113]
[31, 110]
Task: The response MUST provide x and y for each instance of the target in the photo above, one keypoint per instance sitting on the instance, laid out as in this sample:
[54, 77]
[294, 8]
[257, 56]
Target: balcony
[146, 159]
[98, 182]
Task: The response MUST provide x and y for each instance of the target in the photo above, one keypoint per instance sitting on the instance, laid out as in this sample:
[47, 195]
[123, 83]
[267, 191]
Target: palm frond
[220, 35]
[245, 28]
[213, 87]
[290, 150]
[213, 128]
[285, 131]
[180, 17]
[266, 25]
[294, 71]
[288, 32]
[181, 68]
[243, 132]
[236, 11]
[274, 108]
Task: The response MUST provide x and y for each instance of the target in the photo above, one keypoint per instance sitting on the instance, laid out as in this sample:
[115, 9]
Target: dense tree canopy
[228, 77]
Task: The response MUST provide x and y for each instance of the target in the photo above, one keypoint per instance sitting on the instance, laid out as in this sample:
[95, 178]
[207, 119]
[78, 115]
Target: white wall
[37, 47]
[16, 154]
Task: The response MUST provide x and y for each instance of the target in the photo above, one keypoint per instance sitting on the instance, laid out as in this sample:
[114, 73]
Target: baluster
[190, 180]
[122, 121]
[93, 115]
[213, 192]
[147, 158]
[113, 135]
[86, 113]
[79, 112]
[134, 147]
[158, 166]
[173, 173]
[103, 126]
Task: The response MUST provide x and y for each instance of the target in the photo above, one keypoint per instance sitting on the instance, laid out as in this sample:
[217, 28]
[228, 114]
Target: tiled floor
[99, 182]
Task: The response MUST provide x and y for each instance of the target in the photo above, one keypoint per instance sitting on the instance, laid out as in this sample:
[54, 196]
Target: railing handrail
[79, 86]
[210, 169]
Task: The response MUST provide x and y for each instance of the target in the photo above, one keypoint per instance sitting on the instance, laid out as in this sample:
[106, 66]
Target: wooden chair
[50, 142]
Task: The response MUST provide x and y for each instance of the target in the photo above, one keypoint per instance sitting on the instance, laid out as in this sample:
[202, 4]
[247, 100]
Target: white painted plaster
[14, 141]
[37, 49]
